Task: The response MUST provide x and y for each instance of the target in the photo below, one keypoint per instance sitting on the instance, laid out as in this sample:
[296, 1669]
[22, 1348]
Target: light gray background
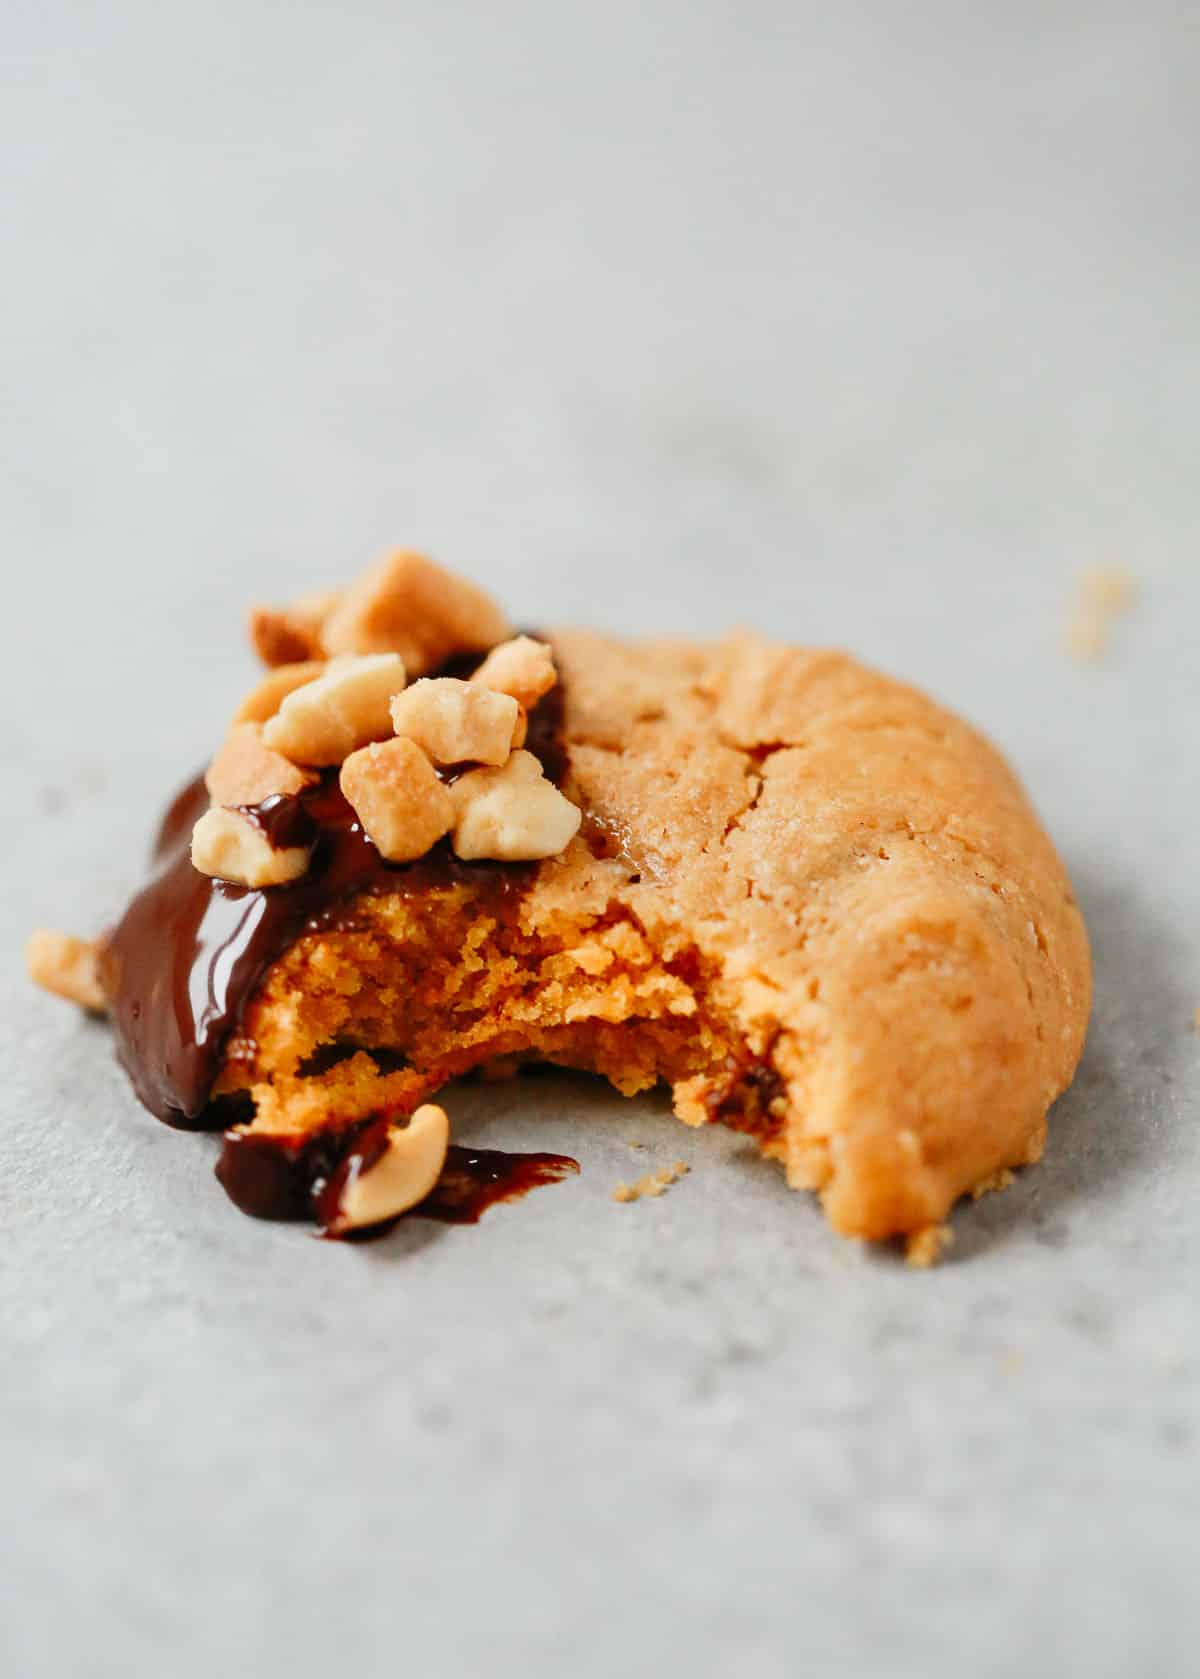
[873, 324]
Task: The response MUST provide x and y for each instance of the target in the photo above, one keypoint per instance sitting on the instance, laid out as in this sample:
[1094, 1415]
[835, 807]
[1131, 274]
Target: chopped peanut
[292, 634]
[261, 705]
[522, 667]
[402, 1177]
[398, 798]
[278, 640]
[409, 605]
[67, 966]
[245, 772]
[512, 814]
[326, 720]
[228, 847]
[455, 722]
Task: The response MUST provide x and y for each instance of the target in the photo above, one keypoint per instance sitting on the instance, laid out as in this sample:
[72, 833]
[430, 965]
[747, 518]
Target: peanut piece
[245, 772]
[228, 847]
[278, 639]
[265, 700]
[512, 814]
[456, 723]
[408, 605]
[401, 1178]
[290, 634]
[522, 667]
[398, 798]
[325, 721]
[67, 966]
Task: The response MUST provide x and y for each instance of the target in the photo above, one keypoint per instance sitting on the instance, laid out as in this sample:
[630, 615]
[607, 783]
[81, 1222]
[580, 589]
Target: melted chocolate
[286, 1178]
[473, 1180]
[547, 736]
[284, 822]
[278, 1177]
[189, 952]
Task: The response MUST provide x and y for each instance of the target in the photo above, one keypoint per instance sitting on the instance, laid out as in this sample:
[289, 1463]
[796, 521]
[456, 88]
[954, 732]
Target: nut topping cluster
[339, 694]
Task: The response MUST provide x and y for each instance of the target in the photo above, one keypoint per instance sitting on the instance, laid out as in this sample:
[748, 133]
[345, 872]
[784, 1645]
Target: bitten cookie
[816, 904]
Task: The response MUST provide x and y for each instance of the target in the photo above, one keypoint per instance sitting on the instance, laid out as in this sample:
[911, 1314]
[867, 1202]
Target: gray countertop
[868, 325]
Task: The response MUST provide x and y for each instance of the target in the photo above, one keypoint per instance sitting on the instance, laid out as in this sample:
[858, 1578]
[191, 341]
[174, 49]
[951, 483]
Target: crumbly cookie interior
[427, 988]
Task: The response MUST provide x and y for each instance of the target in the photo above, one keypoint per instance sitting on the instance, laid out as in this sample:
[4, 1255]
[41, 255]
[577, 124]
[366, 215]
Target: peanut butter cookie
[816, 904]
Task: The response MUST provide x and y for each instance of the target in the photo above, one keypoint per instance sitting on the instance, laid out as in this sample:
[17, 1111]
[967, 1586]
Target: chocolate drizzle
[475, 1179]
[189, 953]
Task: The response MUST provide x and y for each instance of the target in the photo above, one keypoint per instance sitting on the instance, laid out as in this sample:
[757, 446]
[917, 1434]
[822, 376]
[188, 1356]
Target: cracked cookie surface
[817, 904]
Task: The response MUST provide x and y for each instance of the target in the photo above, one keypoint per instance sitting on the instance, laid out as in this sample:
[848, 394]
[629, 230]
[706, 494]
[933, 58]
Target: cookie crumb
[924, 1248]
[1196, 1021]
[651, 1184]
[1103, 597]
[993, 1184]
[633, 1143]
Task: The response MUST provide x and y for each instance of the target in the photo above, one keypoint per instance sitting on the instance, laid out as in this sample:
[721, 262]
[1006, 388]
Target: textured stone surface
[859, 328]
